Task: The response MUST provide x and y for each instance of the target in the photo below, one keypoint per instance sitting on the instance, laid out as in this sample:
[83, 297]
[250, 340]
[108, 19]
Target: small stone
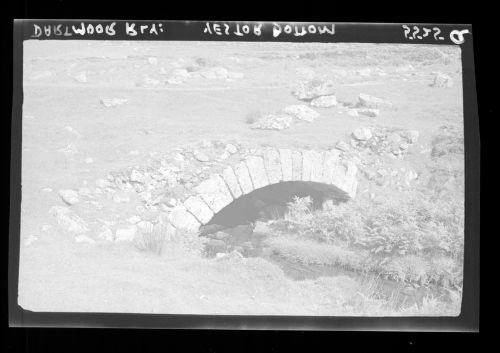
[136, 176]
[201, 156]
[352, 112]
[272, 122]
[372, 113]
[105, 234]
[103, 183]
[46, 227]
[81, 77]
[442, 80]
[301, 112]
[84, 192]
[221, 235]
[404, 146]
[126, 234]
[324, 102]
[134, 153]
[170, 202]
[134, 219]
[69, 196]
[89, 160]
[368, 101]
[47, 190]
[145, 196]
[32, 238]
[411, 135]
[362, 134]
[393, 138]
[224, 155]
[153, 60]
[81, 238]
[113, 102]
[231, 148]
[343, 146]
[314, 88]
[121, 198]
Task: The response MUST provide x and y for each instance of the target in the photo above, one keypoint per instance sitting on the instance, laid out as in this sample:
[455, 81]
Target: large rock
[214, 192]
[257, 171]
[243, 175]
[314, 88]
[273, 165]
[199, 209]
[324, 102]
[232, 182]
[272, 122]
[301, 112]
[286, 164]
[68, 220]
[180, 218]
[368, 101]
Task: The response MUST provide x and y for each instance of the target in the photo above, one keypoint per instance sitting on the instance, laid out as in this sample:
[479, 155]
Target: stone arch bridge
[323, 170]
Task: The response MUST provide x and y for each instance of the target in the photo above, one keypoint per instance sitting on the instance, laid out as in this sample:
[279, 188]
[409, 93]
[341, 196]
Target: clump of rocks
[308, 90]
[272, 122]
[381, 141]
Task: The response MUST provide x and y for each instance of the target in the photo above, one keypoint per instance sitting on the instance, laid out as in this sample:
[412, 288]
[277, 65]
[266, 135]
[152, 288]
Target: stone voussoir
[198, 208]
[286, 163]
[272, 164]
[232, 182]
[214, 192]
[243, 175]
[257, 171]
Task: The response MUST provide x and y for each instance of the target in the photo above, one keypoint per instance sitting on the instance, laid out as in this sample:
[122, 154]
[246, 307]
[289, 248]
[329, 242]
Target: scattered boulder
[81, 238]
[367, 101]
[69, 196]
[370, 112]
[40, 75]
[314, 88]
[113, 102]
[362, 134]
[301, 112]
[231, 148]
[215, 73]
[201, 156]
[105, 234]
[352, 112]
[343, 146]
[68, 220]
[262, 227]
[31, 238]
[126, 234]
[324, 102]
[411, 135]
[81, 77]
[442, 80]
[272, 122]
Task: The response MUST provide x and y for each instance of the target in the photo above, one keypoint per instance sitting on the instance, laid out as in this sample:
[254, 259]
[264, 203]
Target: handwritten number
[457, 36]
[407, 30]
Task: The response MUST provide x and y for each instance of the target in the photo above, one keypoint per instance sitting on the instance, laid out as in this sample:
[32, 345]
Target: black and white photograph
[242, 177]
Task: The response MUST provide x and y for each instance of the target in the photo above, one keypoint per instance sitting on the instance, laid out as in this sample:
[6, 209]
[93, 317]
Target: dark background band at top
[195, 30]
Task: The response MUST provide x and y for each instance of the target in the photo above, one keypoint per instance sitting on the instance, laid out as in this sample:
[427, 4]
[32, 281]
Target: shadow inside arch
[271, 201]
